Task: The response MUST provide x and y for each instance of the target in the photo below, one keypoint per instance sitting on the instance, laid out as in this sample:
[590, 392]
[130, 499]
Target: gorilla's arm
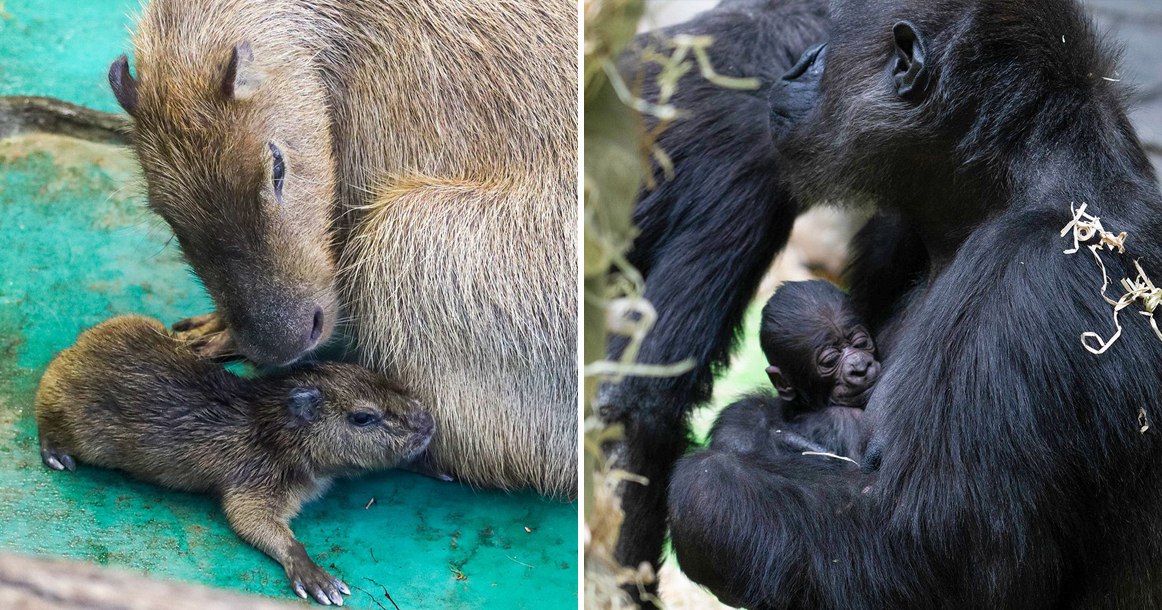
[837, 430]
[761, 423]
[707, 234]
[888, 261]
[777, 531]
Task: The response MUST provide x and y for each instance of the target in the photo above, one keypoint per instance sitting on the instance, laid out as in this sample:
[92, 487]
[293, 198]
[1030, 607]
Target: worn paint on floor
[77, 247]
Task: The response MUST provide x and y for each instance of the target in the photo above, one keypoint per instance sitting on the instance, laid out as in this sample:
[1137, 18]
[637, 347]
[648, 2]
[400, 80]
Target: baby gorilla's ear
[781, 383]
[303, 403]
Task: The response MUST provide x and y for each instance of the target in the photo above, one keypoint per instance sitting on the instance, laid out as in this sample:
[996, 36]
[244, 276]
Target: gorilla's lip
[801, 67]
[858, 399]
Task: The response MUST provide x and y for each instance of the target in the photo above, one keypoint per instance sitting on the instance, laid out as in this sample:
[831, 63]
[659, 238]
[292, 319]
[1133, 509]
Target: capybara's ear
[242, 76]
[303, 403]
[123, 85]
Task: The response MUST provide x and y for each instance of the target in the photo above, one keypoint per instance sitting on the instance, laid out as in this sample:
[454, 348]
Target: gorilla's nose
[861, 369]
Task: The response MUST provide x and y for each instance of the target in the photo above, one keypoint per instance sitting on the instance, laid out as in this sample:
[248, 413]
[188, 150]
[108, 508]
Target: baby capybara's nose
[422, 423]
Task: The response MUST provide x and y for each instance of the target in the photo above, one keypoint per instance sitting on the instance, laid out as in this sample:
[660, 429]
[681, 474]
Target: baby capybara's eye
[362, 419]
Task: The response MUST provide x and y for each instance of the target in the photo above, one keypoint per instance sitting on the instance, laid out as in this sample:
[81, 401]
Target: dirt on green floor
[79, 246]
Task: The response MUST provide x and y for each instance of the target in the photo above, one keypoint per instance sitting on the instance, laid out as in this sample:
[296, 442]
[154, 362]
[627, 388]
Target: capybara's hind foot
[308, 580]
[57, 460]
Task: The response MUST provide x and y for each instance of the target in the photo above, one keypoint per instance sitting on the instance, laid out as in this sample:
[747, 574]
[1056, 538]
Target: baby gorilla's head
[819, 352]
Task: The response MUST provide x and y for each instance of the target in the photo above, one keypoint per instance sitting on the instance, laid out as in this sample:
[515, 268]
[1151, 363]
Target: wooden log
[20, 113]
[31, 583]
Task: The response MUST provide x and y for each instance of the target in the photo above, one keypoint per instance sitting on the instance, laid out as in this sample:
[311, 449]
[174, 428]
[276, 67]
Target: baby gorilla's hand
[208, 336]
[307, 578]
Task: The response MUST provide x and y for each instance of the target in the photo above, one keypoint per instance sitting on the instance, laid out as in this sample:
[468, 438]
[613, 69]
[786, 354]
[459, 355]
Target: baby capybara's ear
[123, 85]
[303, 403]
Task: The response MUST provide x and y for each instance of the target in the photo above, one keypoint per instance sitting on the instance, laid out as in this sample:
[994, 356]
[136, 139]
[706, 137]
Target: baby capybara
[132, 395]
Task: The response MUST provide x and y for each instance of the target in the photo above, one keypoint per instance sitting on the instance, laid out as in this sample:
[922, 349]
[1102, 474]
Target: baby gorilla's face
[818, 348]
[848, 363]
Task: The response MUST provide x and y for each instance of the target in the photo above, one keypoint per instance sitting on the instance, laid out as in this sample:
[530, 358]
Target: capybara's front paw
[423, 464]
[309, 580]
[208, 336]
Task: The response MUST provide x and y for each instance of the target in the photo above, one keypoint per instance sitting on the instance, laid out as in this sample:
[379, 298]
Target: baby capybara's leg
[55, 458]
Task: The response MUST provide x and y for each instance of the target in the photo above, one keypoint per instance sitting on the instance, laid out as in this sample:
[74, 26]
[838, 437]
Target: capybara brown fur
[402, 169]
[133, 396]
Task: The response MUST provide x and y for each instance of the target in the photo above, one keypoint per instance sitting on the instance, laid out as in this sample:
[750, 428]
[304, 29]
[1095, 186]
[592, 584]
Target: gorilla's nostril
[317, 329]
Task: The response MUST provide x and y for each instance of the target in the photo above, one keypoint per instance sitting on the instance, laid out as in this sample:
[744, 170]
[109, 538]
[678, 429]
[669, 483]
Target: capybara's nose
[317, 326]
[423, 423]
[270, 335]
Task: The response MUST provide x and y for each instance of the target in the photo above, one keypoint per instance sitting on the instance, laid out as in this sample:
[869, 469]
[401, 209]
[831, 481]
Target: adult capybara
[404, 167]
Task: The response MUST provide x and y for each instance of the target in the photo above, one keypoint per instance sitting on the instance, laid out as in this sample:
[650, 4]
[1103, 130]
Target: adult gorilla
[1007, 467]
[707, 236]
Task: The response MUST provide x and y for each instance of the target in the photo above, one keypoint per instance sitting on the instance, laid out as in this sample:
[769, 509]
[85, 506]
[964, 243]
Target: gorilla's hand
[794, 95]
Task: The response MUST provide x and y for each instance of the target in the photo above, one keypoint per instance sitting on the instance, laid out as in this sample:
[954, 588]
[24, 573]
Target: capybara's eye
[362, 419]
[277, 171]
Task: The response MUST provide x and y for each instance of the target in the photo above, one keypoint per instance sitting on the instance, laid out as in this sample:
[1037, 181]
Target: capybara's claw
[203, 324]
[57, 460]
[208, 336]
[309, 580]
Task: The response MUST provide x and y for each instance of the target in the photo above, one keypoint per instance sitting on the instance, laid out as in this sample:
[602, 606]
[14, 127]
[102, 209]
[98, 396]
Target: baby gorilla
[823, 364]
[131, 395]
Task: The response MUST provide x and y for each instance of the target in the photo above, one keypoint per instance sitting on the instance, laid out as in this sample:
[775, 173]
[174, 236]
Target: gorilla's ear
[910, 71]
[303, 404]
[784, 387]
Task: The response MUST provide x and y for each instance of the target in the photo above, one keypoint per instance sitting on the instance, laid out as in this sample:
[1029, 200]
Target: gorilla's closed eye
[829, 358]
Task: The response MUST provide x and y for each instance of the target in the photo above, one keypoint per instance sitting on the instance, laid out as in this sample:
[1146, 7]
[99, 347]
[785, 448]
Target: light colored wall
[660, 13]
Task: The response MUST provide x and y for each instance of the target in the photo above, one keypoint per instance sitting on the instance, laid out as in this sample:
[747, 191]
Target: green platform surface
[78, 247]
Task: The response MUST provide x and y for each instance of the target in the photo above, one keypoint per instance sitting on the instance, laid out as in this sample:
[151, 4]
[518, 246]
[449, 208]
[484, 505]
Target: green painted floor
[78, 246]
[747, 373]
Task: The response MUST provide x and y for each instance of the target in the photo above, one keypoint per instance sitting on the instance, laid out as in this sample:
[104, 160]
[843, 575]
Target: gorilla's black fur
[707, 236]
[1006, 468]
